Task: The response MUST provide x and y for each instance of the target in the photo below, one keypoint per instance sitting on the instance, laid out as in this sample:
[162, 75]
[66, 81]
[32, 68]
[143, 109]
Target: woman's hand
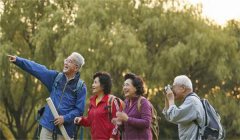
[116, 121]
[77, 120]
[121, 116]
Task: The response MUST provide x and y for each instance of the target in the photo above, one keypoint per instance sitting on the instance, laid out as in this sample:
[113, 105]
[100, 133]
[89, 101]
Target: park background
[157, 39]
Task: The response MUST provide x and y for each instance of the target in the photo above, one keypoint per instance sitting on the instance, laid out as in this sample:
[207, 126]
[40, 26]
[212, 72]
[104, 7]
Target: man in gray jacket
[189, 111]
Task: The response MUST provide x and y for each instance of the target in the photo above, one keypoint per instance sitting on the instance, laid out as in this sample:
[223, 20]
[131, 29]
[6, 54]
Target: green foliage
[115, 36]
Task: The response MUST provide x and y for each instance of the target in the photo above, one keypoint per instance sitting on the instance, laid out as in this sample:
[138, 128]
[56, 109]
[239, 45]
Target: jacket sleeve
[85, 122]
[146, 114]
[79, 106]
[39, 71]
[187, 112]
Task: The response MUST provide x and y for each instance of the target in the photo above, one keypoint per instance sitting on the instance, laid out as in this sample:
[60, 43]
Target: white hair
[183, 80]
[79, 59]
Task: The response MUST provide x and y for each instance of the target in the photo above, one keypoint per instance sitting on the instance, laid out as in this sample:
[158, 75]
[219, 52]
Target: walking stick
[55, 114]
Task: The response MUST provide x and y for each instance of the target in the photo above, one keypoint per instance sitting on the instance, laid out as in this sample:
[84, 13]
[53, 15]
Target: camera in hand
[166, 88]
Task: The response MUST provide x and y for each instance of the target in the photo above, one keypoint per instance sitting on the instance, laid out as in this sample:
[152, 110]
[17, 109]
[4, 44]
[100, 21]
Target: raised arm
[183, 114]
[39, 71]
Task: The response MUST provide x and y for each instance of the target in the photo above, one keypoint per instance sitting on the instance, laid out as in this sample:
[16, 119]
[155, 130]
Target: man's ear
[184, 88]
[77, 68]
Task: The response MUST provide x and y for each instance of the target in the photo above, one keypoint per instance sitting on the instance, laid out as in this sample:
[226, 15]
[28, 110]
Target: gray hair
[78, 59]
[183, 80]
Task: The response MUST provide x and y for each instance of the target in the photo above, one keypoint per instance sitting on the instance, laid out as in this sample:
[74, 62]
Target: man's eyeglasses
[68, 61]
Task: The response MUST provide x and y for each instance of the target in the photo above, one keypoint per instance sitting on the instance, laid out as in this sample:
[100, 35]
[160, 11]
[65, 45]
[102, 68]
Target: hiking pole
[55, 114]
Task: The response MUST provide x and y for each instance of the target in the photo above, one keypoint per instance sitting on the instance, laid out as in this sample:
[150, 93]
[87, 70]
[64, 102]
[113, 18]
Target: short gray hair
[79, 59]
[183, 80]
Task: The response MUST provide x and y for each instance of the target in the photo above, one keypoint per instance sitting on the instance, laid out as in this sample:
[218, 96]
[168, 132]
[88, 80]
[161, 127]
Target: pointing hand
[12, 58]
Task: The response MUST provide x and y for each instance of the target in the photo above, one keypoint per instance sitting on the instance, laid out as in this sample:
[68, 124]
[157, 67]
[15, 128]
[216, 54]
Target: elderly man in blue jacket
[68, 100]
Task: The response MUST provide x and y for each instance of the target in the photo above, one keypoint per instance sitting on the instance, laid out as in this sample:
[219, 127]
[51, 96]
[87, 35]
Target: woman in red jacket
[98, 118]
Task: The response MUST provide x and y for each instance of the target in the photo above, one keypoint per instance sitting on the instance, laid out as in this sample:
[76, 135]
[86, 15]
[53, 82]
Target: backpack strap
[57, 78]
[206, 117]
[139, 103]
[202, 101]
[118, 103]
[150, 104]
[195, 121]
[79, 86]
[109, 105]
[190, 94]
